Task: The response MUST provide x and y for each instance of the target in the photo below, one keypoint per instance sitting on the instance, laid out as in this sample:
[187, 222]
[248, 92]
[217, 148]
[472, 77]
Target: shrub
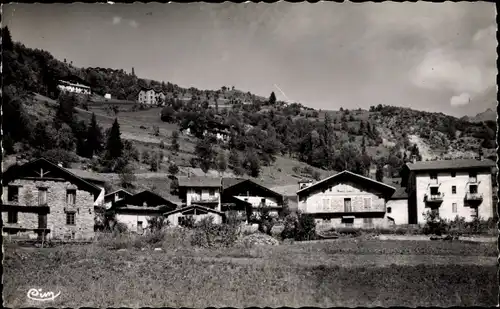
[207, 234]
[57, 156]
[300, 227]
[434, 224]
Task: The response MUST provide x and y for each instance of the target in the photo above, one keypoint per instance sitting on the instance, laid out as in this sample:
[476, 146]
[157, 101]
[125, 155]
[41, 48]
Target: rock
[259, 239]
[158, 249]
[120, 250]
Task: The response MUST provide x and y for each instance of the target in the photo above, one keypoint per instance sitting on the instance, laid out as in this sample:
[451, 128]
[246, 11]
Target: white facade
[203, 195]
[107, 96]
[114, 197]
[74, 88]
[257, 201]
[135, 223]
[150, 97]
[450, 194]
[397, 211]
[175, 218]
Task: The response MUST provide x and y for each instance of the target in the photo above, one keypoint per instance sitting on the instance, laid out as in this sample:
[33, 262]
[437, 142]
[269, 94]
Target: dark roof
[88, 175]
[245, 184]
[349, 175]
[192, 207]
[151, 199]
[229, 182]
[119, 190]
[450, 164]
[400, 194]
[202, 182]
[15, 171]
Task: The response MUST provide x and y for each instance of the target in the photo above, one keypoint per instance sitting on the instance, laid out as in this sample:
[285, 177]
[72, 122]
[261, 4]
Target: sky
[438, 57]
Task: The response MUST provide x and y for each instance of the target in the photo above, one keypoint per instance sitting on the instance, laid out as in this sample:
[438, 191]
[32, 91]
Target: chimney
[413, 158]
[304, 183]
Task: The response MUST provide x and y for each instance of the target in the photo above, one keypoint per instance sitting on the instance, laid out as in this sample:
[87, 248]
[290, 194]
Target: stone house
[450, 188]
[346, 199]
[42, 198]
[150, 96]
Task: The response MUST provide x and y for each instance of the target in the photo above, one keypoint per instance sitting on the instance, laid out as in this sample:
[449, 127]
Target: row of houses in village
[40, 197]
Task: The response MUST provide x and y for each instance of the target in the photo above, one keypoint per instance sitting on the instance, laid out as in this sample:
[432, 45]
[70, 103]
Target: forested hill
[353, 139]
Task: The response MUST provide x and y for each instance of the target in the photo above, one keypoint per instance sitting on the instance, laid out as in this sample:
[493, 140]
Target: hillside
[487, 115]
[279, 142]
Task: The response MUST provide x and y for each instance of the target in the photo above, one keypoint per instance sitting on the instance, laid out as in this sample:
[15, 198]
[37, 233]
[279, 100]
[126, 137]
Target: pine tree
[205, 153]
[272, 99]
[221, 163]
[7, 43]
[379, 174]
[175, 141]
[94, 139]
[114, 145]
[253, 164]
[133, 71]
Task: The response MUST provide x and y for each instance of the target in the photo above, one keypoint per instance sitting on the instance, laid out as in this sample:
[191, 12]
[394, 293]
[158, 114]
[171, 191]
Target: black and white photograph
[249, 154]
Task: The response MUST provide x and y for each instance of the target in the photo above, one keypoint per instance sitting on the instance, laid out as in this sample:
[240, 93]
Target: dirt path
[423, 148]
[355, 260]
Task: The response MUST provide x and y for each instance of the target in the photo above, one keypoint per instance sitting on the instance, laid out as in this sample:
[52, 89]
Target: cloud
[466, 72]
[117, 20]
[460, 100]
[133, 24]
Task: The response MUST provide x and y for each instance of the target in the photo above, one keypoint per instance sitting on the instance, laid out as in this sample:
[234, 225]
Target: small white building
[137, 210]
[66, 86]
[107, 96]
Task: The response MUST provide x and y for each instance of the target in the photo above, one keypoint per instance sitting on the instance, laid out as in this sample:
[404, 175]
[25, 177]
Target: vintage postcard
[249, 155]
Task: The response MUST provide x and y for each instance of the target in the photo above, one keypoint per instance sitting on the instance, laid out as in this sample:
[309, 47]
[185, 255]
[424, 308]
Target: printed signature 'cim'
[36, 294]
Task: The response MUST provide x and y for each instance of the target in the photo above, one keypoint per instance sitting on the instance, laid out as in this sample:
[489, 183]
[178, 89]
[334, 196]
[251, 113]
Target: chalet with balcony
[346, 199]
[449, 187]
[201, 198]
[246, 197]
[41, 198]
[136, 211]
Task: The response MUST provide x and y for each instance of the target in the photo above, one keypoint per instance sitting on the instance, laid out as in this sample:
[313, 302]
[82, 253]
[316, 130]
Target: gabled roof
[87, 175]
[400, 194]
[151, 199]
[229, 182]
[246, 183]
[16, 171]
[346, 175]
[119, 190]
[193, 206]
[450, 164]
[200, 182]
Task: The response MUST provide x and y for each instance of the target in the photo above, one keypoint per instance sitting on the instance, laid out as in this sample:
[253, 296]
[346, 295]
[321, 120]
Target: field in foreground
[344, 273]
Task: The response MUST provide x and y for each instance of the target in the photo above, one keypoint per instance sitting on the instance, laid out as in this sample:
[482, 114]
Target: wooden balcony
[434, 198]
[209, 199]
[474, 197]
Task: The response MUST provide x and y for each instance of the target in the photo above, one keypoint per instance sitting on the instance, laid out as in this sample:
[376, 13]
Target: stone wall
[56, 200]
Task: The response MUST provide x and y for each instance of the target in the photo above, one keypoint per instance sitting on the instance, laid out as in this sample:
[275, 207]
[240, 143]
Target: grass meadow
[347, 272]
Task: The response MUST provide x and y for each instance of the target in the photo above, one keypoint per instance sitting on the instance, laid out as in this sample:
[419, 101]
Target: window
[473, 212]
[389, 210]
[211, 192]
[454, 208]
[454, 189]
[434, 191]
[13, 194]
[70, 218]
[367, 203]
[473, 189]
[330, 189]
[472, 176]
[42, 196]
[139, 227]
[453, 174]
[198, 192]
[12, 217]
[326, 202]
[347, 205]
[348, 222]
[368, 221]
[71, 196]
[434, 176]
